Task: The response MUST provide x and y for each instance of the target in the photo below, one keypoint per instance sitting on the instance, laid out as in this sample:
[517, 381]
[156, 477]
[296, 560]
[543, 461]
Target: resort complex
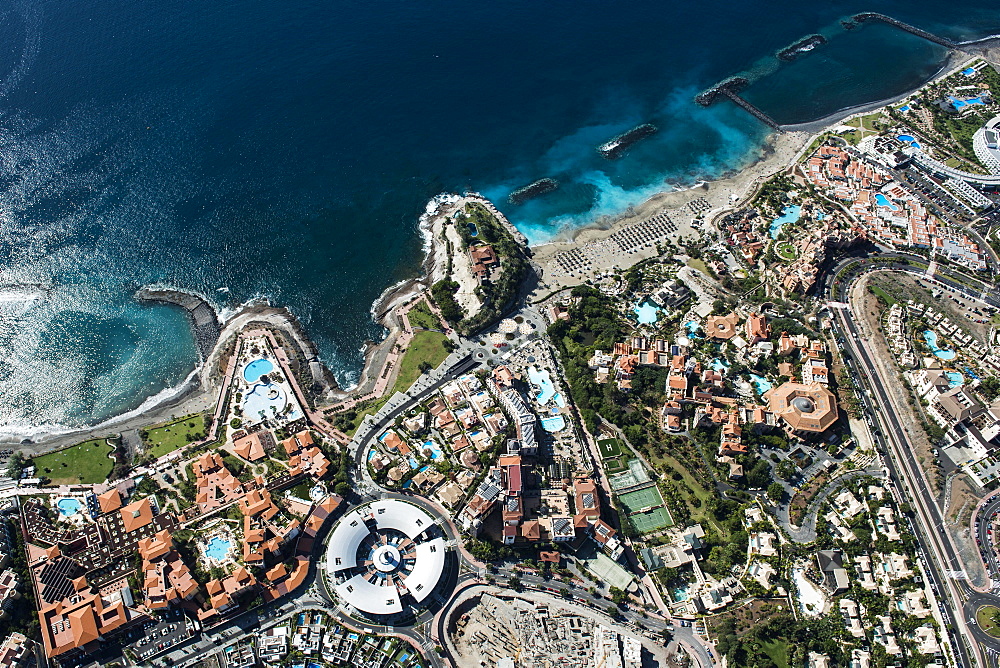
[753, 423]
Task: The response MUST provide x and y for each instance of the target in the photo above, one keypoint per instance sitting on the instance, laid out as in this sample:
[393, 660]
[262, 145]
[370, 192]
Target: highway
[941, 561]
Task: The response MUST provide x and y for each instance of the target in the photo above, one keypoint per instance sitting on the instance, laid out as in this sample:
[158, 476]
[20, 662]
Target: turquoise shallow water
[285, 150]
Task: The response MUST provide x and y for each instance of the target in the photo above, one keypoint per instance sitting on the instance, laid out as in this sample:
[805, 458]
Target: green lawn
[885, 296]
[778, 651]
[421, 316]
[785, 250]
[700, 265]
[985, 619]
[86, 462]
[167, 438]
[609, 447]
[425, 347]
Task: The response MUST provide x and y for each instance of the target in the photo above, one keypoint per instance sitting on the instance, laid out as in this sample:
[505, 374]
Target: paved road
[905, 471]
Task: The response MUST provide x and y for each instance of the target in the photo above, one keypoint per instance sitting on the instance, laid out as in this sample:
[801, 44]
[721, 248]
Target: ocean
[285, 150]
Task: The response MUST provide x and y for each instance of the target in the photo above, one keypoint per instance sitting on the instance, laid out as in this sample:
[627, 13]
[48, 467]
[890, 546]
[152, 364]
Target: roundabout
[988, 620]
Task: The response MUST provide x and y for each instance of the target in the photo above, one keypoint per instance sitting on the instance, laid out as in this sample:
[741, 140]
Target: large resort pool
[217, 548]
[790, 214]
[547, 391]
[257, 368]
[647, 312]
[931, 337]
[761, 384]
[68, 506]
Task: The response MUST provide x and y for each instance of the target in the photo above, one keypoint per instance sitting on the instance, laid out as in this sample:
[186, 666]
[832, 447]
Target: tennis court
[634, 501]
[657, 517]
[636, 475]
[651, 520]
[609, 447]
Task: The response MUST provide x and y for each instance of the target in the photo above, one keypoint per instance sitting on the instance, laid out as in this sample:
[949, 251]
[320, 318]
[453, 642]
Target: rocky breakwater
[204, 320]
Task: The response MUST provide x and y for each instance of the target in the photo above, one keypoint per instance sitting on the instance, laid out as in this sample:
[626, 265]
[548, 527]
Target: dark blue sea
[285, 150]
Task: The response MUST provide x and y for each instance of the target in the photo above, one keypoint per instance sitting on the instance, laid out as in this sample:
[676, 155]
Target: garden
[89, 463]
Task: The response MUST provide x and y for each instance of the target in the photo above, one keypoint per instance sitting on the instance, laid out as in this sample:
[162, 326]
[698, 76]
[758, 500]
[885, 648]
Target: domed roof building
[385, 556]
[808, 408]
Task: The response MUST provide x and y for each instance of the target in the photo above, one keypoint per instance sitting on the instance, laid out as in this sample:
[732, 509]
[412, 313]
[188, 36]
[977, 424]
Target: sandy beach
[597, 244]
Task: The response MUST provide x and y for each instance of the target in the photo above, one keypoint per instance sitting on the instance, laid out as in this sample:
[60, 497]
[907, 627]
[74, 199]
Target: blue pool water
[217, 548]
[68, 507]
[969, 71]
[720, 365]
[905, 107]
[680, 593]
[930, 336]
[905, 138]
[646, 312]
[970, 373]
[882, 200]
[954, 378]
[414, 464]
[958, 103]
[790, 214]
[560, 402]
[553, 424]
[254, 370]
[435, 450]
[542, 380]
[820, 215]
[693, 328]
[761, 384]
[473, 230]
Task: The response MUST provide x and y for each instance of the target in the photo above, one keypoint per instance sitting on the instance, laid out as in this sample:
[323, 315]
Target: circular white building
[383, 552]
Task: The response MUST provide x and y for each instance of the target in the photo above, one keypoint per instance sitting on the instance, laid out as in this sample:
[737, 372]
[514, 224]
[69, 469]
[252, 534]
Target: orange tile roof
[110, 501]
[137, 515]
[250, 447]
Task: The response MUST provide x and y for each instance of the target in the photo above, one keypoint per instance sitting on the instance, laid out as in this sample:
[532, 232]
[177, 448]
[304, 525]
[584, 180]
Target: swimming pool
[434, 448]
[954, 378]
[553, 424]
[720, 365]
[790, 214]
[905, 107]
[882, 200]
[544, 382]
[68, 506]
[254, 370]
[414, 464]
[905, 138]
[680, 593]
[820, 215]
[931, 337]
[218, 548]
[969, 71]
[693, 328]
[958, 104]
[761, 384]
[646, 312]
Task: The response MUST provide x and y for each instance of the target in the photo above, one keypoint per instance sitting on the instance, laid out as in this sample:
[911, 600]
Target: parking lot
[154, 637]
